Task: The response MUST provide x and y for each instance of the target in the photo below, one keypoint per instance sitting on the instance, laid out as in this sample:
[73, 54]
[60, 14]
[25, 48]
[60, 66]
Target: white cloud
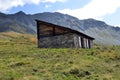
[53, 1]
[8, 4]
[117, 25]
[48, 6]
[95, 9]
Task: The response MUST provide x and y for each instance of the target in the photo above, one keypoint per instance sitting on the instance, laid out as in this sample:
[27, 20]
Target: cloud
[8, 4]
[95, 9]
[48, 6]
[118, 25]
[53, 1]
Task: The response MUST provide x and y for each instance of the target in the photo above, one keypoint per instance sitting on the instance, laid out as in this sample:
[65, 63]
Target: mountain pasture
[20, 59]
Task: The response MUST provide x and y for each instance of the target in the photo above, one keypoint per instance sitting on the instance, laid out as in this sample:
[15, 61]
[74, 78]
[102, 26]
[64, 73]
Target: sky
[104, 10]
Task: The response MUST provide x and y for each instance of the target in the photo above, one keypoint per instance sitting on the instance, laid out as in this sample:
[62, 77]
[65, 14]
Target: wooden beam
[38, 31]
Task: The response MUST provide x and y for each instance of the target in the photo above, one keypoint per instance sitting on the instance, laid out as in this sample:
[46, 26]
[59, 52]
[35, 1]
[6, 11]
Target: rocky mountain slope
[25, 23]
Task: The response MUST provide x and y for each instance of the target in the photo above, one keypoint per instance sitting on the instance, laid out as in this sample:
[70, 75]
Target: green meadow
[20, 59]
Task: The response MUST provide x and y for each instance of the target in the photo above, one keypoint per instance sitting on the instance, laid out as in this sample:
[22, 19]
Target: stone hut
[55, 36]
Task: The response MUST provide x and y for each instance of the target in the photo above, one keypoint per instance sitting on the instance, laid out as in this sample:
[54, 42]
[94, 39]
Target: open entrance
[82, 43]
[89, 43]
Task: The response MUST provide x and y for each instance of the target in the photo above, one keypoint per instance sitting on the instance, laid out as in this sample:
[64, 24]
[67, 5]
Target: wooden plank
[80, 42]
[84, 42]
[75, 41]
[61, 30]
[87, 43]
[38, 32]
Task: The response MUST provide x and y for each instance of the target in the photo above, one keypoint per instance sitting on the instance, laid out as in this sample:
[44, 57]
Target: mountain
[13, 23]
[25, 23]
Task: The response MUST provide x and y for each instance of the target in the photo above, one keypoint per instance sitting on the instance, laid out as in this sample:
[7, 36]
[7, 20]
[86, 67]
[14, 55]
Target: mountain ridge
[25, 23]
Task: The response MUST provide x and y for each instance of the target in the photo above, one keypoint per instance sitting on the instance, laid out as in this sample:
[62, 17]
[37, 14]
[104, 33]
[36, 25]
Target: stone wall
[70, 40]
[59, 41]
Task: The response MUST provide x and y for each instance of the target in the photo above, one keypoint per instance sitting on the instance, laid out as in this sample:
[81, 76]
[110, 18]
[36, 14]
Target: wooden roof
[78, 32]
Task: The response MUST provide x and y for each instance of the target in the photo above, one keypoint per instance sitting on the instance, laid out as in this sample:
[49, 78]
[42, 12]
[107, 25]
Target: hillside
[25, 23]
[17, 38]
[20, 59]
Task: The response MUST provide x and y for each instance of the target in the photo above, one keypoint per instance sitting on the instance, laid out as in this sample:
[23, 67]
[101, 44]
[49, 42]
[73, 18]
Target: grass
[20, 59]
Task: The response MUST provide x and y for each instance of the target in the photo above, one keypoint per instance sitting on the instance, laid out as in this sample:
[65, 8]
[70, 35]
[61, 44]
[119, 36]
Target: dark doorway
[89, 43]
[82, 42]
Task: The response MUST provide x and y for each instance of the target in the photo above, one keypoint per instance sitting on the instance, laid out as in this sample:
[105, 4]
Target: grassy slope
[20, 59]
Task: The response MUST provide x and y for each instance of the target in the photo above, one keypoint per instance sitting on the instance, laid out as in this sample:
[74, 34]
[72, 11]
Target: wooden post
[80, 42]
[38, 32]
[87, 44]
[75, 41]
